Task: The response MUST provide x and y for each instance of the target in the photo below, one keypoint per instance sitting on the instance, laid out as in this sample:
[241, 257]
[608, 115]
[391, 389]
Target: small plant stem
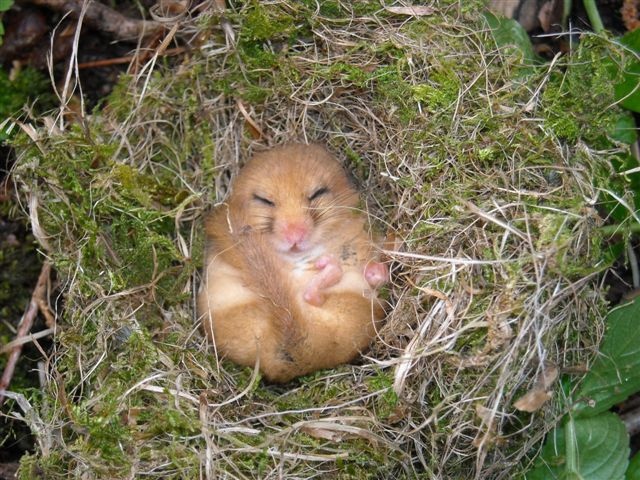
[570, 446]
[594, 15]
[566, 10]
[618, 229]
[633, 265]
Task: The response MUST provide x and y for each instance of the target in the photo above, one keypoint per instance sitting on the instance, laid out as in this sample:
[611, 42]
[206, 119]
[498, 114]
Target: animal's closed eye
[263, 200]
[318, 193]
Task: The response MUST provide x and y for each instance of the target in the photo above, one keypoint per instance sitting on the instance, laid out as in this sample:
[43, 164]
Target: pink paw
[329, 274]
[314, 297]
[326, 260]
[376, 274]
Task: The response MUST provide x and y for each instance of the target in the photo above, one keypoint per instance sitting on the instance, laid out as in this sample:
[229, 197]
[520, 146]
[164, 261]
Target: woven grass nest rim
[493, 280]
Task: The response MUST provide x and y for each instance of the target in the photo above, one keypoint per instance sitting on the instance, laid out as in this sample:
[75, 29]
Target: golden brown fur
[289, 276]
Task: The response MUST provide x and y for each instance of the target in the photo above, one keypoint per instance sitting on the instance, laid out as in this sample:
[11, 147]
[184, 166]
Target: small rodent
[290, 272]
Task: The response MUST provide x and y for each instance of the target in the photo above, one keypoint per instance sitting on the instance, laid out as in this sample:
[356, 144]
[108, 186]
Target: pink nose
[294, 233]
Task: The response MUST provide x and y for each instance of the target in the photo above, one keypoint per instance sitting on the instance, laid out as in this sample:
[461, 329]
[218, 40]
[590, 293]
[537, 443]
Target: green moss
[28, 87]
[135, 357]
[255, 94]
[585, 87]
[330, 9]
[363, 460]
[385, 403]
[392, 89]
[163, 420]
[105, 436]
[257, 462]
[134, 184]
[346, 74]
[53, 466]
[128, 230]
[256, 56]
[365, 7]
[440, 93]
[264, 22]
[342, 10]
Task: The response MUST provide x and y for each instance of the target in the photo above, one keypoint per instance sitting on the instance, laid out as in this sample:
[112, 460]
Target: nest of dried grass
[493, 270]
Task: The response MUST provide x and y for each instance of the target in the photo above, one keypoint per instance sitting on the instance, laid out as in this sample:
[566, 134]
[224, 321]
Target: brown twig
[144, 54]
[105, 19]
[36, 304]
[107, 62]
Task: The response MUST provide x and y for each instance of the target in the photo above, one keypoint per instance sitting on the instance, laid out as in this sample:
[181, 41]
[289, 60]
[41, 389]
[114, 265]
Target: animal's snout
[295, 233]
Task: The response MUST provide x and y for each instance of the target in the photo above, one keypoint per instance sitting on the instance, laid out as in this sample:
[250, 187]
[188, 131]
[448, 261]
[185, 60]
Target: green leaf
[631, 40]
[615, 373]
[594, 448]
[509, 33]
[5, 5]
[624, 130]
[628, 91]
[612, 252]
[633, 471]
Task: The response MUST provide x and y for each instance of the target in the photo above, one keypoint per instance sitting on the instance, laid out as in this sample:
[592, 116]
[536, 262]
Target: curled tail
[264, 274]
[252, 256]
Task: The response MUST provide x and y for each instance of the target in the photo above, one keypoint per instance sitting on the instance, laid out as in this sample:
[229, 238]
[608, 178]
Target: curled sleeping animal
[290, 271]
